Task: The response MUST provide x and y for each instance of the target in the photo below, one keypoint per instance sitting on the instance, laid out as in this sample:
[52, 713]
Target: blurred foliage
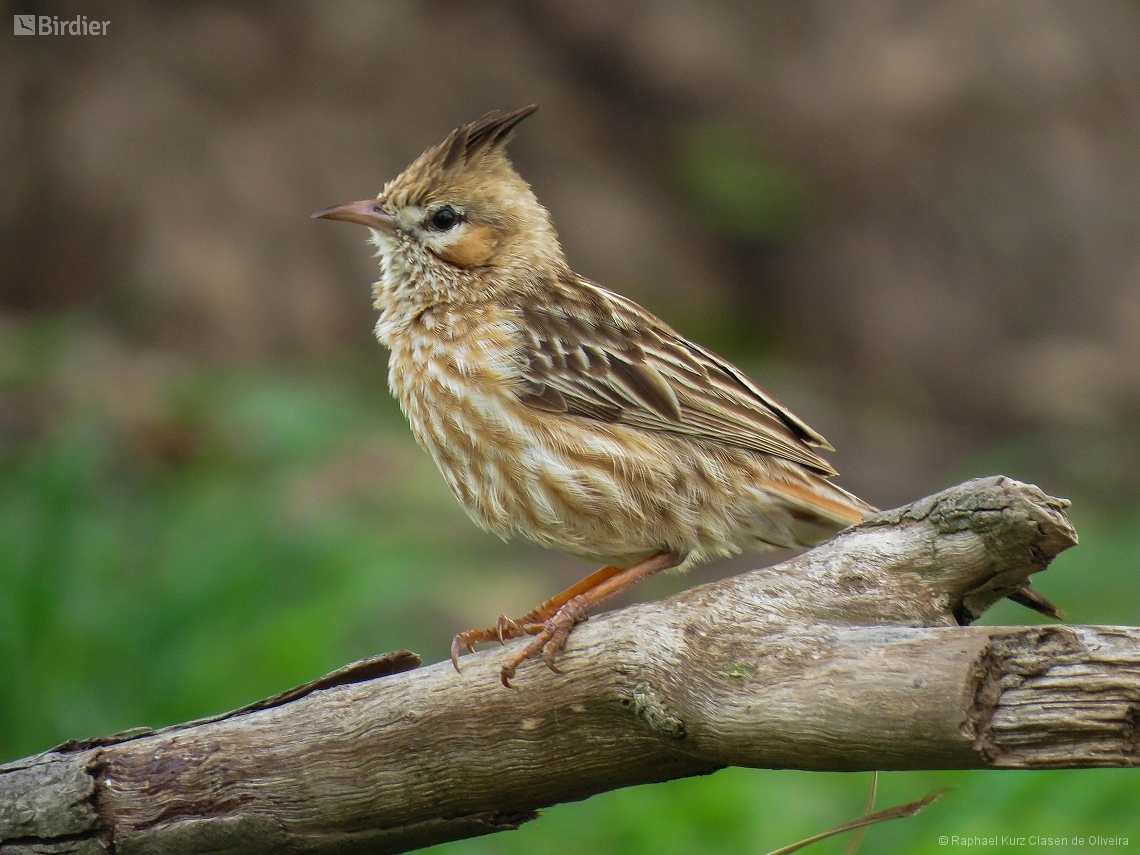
[254, 531]
[736, 188]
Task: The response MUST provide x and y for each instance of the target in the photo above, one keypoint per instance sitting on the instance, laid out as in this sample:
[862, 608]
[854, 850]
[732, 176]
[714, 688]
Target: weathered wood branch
[850, 656]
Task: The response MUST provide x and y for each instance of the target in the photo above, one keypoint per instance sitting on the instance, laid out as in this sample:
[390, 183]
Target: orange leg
[550, 623]
[508, 628]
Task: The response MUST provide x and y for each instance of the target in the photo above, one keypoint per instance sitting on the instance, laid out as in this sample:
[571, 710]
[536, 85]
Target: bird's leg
[532, 622]
[552, 635]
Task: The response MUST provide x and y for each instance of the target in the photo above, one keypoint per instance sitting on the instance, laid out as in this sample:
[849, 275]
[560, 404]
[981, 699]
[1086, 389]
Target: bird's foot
[532, 623]
[549, 637]
[504, 630]
[550, 623]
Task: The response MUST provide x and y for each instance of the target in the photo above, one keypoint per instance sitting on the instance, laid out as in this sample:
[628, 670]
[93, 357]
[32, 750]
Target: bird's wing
[606, 358]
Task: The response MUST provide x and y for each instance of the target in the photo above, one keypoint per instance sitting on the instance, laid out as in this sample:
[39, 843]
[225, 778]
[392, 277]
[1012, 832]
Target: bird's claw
[460, 641]
[506, 628]
[549, 638]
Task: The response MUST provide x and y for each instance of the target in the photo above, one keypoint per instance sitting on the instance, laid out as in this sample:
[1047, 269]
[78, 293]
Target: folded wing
[624, 366]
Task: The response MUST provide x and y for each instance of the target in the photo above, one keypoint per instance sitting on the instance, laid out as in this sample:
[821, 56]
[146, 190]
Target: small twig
[884, 815]
[857, 837]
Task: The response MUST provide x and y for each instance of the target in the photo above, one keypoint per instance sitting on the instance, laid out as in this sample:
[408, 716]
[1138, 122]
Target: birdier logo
[51, 25]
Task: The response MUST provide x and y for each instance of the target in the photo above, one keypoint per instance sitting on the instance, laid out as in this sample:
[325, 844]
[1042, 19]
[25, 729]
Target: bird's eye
[444, 218]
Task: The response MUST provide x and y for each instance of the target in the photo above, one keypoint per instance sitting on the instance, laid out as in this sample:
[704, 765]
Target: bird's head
[459, 215]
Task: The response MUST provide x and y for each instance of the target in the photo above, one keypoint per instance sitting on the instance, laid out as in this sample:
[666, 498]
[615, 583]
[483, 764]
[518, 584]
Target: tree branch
[848, 657]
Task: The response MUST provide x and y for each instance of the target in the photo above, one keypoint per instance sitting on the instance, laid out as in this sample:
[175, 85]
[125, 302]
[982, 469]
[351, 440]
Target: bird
[562, 412]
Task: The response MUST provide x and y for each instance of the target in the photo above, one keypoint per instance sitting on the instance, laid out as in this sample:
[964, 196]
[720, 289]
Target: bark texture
[851, 656]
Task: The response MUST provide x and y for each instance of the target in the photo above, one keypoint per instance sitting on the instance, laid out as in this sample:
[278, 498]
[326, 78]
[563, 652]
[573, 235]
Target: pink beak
[367, 213]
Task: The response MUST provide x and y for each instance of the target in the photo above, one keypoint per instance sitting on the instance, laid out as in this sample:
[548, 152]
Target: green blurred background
[916, 224]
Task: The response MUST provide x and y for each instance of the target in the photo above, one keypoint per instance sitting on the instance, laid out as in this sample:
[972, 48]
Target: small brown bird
[563, 412]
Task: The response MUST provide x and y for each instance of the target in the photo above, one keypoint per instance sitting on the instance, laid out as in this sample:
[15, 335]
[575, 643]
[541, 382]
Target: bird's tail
[817, 509]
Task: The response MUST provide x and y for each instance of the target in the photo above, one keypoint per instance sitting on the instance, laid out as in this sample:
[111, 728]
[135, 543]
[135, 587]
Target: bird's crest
[461, 162]
[485, 134]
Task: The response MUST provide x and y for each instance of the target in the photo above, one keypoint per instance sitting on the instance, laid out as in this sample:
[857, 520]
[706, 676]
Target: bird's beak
[367, 213]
